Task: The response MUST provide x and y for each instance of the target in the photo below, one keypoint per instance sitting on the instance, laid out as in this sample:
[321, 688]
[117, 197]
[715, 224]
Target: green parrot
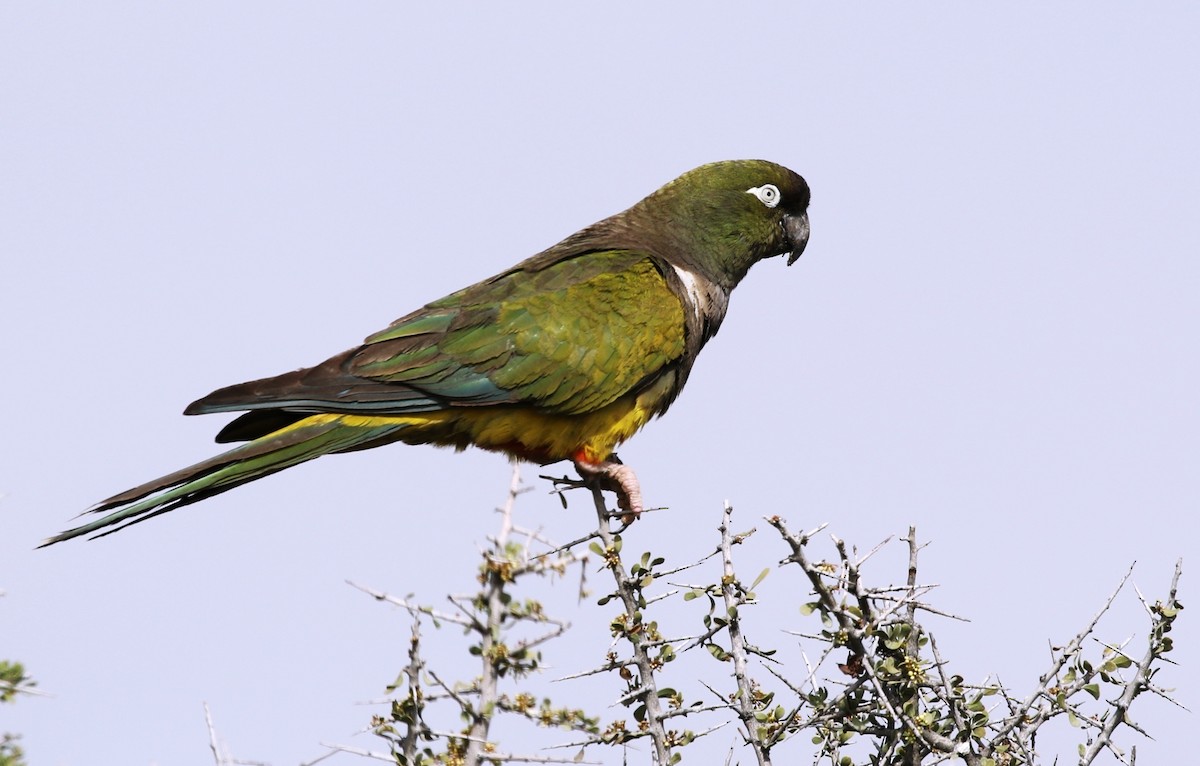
[564, 356]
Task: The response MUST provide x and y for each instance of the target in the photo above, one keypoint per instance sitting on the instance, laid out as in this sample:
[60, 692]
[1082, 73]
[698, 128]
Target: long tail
[294, 444]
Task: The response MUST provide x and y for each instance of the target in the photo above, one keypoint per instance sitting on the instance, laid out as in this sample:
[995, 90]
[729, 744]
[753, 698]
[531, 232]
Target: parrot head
[727, 216]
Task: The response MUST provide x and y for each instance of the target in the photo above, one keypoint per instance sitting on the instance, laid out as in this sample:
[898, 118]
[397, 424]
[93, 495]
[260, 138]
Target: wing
[566, 338]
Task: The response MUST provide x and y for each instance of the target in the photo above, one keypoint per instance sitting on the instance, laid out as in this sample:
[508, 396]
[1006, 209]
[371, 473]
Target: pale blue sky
[992, 335]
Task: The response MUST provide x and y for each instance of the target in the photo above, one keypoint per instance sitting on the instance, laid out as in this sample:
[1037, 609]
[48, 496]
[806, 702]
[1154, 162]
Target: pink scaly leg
[616, 477]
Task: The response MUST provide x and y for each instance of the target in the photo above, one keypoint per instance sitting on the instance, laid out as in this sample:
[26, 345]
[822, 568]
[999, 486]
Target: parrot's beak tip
[797, 229]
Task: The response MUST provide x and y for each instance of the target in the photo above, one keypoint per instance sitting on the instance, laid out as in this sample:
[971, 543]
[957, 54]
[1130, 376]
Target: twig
[1141, 679]
[646, 688]
[488, 682]
[359, 751]
[1024, 715]
[912, 648]
[212, 736]
[411, 738]
[952, 701]
[734, 598]
[412, 608]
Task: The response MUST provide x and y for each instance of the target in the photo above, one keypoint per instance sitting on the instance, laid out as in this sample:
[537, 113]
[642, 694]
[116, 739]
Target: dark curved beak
[796, 227]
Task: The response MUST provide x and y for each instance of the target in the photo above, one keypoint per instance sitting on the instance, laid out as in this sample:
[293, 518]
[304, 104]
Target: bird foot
[616, 477]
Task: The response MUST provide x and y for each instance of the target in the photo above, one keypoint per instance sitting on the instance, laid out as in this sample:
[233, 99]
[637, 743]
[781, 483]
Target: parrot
[563, 356]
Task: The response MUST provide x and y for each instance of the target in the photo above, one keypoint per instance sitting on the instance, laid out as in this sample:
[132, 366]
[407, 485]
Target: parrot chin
[796, 227]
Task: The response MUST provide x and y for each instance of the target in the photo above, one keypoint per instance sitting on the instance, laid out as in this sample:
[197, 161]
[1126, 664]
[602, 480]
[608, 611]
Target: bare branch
[1162, 614]
[734, 599]
[413, 609]
[627, 590]
[1024, 714]
[212, 736]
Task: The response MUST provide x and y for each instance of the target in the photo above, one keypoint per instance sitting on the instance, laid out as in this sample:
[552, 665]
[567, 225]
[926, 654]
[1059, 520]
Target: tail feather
[294, 444]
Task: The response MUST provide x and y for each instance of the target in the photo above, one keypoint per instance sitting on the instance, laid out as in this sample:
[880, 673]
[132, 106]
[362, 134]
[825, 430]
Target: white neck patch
[697, 296]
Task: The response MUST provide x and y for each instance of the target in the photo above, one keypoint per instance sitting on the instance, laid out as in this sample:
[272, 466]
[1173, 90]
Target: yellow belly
[519, 431]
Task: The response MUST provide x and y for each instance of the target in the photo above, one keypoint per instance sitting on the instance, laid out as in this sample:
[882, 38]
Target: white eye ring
[768, 194]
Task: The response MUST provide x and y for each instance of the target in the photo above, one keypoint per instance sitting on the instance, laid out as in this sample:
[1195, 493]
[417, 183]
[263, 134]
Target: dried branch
[1162, 615]
[645, 687]
[735, 597]
[212, 736]
[1024, 716]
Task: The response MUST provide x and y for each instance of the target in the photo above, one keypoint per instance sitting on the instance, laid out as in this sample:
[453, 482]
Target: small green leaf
[718, 652]
[761, 576]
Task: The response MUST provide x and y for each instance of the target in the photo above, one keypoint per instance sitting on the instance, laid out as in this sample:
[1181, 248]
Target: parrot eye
[768, 194]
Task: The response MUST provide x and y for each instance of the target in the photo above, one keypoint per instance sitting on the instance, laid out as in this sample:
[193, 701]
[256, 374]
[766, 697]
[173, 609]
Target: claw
[618, 478]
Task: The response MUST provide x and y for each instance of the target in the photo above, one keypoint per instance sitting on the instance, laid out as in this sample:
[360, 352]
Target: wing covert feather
[567, 339]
